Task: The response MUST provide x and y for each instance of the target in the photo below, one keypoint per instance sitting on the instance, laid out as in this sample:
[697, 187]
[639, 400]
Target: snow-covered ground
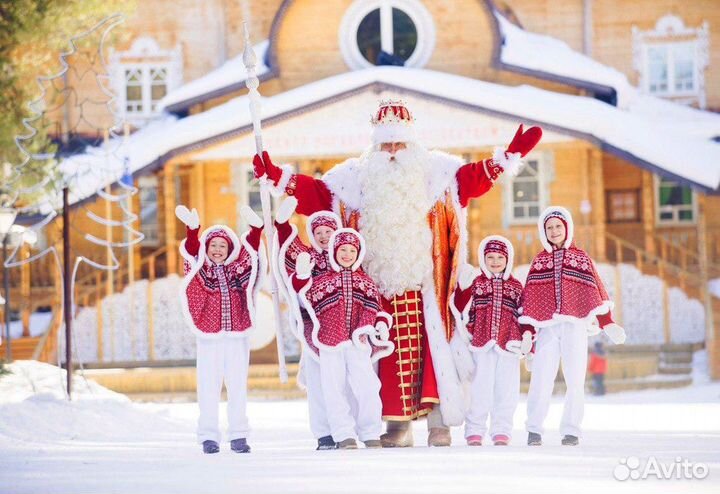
[103, 442]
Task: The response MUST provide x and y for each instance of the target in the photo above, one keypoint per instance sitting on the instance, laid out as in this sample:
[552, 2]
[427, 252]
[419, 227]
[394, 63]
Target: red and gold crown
[392, 122]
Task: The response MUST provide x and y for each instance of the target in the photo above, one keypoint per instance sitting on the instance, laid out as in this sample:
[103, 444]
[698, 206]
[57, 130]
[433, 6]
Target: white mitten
[592, 329]
[514, 346]
[466, 276]
[251, 217]
[528, 361]
[526, 344]
[303, 266]
[190, 218]
[383, 330]
[616, 333]
[286, 210]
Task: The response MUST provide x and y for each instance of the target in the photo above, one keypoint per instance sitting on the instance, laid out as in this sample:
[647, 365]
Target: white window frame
[671, 32]
[675, 221]
[354, 15]
[150, 240]
[144, 55]
[545, 176]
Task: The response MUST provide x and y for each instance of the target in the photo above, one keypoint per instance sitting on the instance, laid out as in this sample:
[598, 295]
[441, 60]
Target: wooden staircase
[21, 348]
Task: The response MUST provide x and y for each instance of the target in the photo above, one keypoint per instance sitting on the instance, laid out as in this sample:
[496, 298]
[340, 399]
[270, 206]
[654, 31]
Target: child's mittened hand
[190, 218]
[466, 276]
[286, 210]
[383, 330]
[526, 344]
[251, 217]
[303, 266]
[592, 329]
[616, 333]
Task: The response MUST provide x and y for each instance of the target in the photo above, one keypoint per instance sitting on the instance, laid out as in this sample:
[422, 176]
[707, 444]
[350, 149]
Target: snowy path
[104, 443]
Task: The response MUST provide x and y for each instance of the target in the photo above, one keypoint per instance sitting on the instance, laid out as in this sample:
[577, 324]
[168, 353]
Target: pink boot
[474, 440]
[501, 440]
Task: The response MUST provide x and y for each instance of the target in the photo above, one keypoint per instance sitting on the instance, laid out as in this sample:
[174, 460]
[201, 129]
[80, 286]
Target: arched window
[387, 32]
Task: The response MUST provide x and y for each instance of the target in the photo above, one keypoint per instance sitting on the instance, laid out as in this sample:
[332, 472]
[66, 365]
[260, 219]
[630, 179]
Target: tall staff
[252, 83]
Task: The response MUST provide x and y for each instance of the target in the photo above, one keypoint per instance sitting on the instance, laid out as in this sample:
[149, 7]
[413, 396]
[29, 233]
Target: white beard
[393, 219]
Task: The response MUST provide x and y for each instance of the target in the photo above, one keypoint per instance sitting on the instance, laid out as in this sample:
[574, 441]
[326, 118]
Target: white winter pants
[564, 343]
[495, 391]
[319, 425]
[351, 365]
[218, 359]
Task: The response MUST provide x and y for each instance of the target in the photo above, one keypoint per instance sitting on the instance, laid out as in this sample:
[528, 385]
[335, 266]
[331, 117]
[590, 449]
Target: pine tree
[32, 32]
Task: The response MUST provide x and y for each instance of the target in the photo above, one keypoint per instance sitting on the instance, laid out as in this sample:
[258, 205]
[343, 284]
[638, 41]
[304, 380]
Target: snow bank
[34, 407]
[547, 54]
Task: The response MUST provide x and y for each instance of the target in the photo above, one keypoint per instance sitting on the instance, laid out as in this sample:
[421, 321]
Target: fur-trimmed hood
[510, 256]
[331, 249]
[236, 245]
[312, 218]
[561, 212]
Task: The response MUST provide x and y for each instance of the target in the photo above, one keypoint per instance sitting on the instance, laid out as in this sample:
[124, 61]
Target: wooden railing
[91, 289]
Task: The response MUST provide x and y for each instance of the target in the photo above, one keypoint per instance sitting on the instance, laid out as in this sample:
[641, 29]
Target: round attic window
[387, 32]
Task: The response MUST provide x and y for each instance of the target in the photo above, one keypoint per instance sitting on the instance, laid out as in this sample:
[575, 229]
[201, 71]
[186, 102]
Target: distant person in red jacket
[598, 368]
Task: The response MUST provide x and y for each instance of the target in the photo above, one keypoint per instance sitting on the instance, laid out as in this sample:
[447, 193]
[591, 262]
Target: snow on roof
[649, 136]
[537, 52]
[231, 73]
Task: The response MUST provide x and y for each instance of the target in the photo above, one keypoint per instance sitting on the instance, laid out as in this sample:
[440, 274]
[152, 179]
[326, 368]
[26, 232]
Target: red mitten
[524, 142]
[274, 173]
[192, 244]
[259, 166]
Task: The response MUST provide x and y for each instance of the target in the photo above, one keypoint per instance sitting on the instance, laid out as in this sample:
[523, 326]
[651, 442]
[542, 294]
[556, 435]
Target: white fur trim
[286, 289]
[510, 258]
[302, 294]
[452, 401]
[308, 226]
[393, 132]
[441, 174]
[461, 316]
[372, 334]
[331, 249]
[342, 180]
[279, 190]
[603, 308]
[514, 344]
[511, 162]
[570, 227]
[441, 178]
[259, 266]
[462, 357]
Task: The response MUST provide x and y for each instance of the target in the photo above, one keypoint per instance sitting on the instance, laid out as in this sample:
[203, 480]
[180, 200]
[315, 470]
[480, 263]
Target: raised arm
[191, 219]
[256, 225]
[474, 179]
[301, 278]
[312, 194]
[463, 289]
